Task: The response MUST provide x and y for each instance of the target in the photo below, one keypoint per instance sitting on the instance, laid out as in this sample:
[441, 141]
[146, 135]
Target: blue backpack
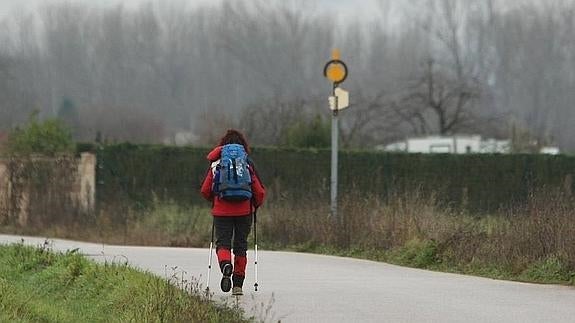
[232, 180]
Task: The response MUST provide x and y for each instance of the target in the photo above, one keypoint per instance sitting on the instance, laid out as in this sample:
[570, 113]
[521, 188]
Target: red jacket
[225, 208]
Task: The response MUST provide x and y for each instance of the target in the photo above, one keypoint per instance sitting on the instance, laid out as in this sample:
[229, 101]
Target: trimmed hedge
[479, 182]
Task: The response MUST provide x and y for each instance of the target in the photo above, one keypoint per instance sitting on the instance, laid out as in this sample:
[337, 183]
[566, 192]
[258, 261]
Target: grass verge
[534, 242]
[37, 285]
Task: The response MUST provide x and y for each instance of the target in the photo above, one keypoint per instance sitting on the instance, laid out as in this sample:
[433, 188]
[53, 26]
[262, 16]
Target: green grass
[553, 269]
[37, 285]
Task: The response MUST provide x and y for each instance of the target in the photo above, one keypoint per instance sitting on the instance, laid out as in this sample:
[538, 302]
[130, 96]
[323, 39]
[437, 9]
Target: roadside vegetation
[533, 243]
[37, 285]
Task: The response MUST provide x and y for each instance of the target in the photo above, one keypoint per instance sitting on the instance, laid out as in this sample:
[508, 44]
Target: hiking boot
[226, 283]
[237, 291]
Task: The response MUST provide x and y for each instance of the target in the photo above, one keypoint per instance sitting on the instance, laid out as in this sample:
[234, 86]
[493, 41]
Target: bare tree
[448, 100]
[444, 97]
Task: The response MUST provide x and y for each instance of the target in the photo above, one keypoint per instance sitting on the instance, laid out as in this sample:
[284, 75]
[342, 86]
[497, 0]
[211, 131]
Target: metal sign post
[336, 71]
[334, 152]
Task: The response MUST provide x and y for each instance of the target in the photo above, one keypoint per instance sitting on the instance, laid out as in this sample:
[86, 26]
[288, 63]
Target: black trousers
[232, 233]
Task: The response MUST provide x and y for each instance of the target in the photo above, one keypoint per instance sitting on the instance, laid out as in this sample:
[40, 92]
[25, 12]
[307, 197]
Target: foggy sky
[343, 8]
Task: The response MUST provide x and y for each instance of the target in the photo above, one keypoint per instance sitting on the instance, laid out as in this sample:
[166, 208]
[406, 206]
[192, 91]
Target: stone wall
[86, 182]
[40, 189]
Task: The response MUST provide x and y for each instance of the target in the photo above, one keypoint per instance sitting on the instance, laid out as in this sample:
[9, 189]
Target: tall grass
[162, 224]
[535, 242]
[165, 223]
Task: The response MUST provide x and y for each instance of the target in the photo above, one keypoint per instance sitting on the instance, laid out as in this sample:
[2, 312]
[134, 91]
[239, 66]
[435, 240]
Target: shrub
[418, 253]
[48, 137]
[309, 134]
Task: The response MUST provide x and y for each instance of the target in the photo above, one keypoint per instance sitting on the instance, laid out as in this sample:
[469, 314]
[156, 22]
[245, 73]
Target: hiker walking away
[236, 191]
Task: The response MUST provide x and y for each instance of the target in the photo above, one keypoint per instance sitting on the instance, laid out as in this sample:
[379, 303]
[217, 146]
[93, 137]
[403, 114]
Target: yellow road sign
[335, 70]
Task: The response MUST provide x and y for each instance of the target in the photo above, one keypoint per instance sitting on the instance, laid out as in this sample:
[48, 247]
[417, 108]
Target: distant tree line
[418, 67]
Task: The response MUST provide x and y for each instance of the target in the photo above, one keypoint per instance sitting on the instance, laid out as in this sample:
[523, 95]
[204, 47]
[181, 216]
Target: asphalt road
[312, 288]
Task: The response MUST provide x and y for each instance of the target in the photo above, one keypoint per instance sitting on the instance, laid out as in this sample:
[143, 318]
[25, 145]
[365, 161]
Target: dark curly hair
[233, 136]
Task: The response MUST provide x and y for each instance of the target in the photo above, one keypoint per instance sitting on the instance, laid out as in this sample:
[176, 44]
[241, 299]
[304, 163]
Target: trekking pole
[210, 258]
[256, 247]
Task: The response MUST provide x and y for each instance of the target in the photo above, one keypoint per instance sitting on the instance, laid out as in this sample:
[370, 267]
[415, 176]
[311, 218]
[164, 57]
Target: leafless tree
[444, 97]
[439, 104]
